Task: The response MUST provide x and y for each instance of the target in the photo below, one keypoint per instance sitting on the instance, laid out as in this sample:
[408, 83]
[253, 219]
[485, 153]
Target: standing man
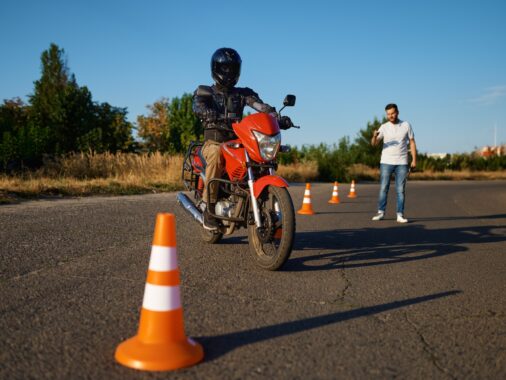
[394, 159]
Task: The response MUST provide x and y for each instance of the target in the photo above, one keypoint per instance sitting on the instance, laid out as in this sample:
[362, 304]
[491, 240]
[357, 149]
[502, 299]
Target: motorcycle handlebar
[223, 118]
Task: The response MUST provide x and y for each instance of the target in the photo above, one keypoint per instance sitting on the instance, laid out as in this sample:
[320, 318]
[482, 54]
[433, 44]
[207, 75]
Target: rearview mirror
[289, 101]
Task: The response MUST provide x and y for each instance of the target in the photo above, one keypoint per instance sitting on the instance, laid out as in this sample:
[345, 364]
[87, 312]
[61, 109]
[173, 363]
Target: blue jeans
[401, 175]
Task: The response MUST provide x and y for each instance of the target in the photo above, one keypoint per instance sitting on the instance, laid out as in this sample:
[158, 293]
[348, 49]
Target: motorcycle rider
[218, 106]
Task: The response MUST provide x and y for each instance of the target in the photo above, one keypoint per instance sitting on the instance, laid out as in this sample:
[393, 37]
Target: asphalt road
[357, 299]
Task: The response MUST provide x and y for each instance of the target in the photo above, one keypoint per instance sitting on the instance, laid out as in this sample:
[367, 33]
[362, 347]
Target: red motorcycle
[250, 194]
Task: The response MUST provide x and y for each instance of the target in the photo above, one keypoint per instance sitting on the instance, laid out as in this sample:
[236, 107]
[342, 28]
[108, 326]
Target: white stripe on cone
[307, 193]
[307, 200]
[161, 298]
[163, 259]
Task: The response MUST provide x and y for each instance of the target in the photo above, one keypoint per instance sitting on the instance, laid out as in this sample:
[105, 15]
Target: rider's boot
[210, 222]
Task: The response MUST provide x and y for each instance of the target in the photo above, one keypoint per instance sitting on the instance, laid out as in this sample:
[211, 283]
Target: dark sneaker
[210, 222]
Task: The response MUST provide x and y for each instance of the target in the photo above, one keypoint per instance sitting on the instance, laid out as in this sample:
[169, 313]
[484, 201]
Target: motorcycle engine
[225, 208]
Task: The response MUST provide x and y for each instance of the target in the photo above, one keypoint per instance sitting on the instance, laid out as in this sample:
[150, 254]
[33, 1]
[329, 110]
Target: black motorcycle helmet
[226, 67]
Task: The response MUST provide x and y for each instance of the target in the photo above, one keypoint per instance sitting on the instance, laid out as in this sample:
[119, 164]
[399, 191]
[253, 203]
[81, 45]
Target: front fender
[262, 182]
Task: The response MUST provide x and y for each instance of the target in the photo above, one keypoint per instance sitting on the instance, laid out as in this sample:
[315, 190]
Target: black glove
[285, 122]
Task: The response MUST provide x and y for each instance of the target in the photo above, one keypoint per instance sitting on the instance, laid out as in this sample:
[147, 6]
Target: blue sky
[443, 62]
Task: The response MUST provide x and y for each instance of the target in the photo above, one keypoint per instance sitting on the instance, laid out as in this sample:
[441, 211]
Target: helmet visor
[229, 73]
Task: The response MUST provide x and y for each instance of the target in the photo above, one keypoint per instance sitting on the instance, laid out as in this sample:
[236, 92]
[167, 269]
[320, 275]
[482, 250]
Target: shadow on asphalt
[474, 217]
[344, 212]
[354, 248]
[13, 199]
[216, 346]
[359, 197]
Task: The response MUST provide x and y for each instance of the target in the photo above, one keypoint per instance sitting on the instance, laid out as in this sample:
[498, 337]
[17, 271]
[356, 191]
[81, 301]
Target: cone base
[136, 354]
[305, 212]
[334, 201]
[352, 196]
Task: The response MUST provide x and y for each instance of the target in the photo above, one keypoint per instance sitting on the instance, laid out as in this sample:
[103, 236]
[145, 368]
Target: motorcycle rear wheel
[272, 246]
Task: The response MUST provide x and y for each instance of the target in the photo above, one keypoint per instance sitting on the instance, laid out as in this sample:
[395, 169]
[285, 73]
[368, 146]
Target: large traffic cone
[306, 208]
[335, 194]
[352, 193]
[161, 343]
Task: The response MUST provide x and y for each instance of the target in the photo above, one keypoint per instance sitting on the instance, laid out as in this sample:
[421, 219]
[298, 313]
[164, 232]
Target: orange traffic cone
[335, 194]
[306, 208]
[161, 343]
[352, 193]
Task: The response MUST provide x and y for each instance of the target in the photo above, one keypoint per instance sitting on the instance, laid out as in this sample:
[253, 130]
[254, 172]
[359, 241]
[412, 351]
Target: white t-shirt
[395, 142]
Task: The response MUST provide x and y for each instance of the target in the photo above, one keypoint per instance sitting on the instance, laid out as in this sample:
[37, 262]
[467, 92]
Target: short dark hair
[389, 106]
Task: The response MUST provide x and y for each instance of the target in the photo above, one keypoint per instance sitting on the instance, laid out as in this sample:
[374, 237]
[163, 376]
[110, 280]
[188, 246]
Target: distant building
[491, 151]
[437, 155]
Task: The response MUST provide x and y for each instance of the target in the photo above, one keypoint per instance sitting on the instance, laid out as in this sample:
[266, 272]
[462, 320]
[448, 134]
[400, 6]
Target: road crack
[428, 348]
[347, 283]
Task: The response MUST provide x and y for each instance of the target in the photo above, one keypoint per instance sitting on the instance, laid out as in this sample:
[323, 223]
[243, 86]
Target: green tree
[184, 126]
[79, 118]
[61, 117]
[154, 128]
[67, 111]
[116, 129]
[170, 125]
[292, 157]
[20, 140]
[13, 114]
[333, 160]
[362, 150]
[48, 99]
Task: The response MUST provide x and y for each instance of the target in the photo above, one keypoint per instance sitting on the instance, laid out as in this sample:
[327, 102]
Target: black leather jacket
[218, 108]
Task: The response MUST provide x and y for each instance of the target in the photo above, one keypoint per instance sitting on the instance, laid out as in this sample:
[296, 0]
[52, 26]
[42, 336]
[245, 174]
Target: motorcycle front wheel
[272, 244]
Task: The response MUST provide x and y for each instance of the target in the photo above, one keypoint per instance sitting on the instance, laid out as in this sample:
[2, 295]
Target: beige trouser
[212, 155]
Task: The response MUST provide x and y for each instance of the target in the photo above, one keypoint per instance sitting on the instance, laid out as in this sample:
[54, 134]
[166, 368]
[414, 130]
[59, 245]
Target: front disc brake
[266, 232]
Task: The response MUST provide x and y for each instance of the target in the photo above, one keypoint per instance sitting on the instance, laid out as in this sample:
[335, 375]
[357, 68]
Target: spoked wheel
[272, 244]
[211, 237]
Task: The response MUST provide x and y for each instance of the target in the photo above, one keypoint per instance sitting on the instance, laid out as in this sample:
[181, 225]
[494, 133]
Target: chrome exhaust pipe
[189, 206]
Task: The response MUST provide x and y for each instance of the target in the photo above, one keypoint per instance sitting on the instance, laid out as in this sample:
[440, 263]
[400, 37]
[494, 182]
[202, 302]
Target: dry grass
[87, 174]
[359, 171]
[122, 173]
[122, 166]
[299, 172]
[363, 172]
[459, 175]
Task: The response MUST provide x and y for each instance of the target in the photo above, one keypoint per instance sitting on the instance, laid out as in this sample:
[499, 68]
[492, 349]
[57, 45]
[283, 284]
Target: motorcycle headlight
[267, 145]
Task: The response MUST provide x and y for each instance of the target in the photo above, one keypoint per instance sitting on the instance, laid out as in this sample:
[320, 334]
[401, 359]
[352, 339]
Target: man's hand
[412, 167]
[412, 147]
[374, 140]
